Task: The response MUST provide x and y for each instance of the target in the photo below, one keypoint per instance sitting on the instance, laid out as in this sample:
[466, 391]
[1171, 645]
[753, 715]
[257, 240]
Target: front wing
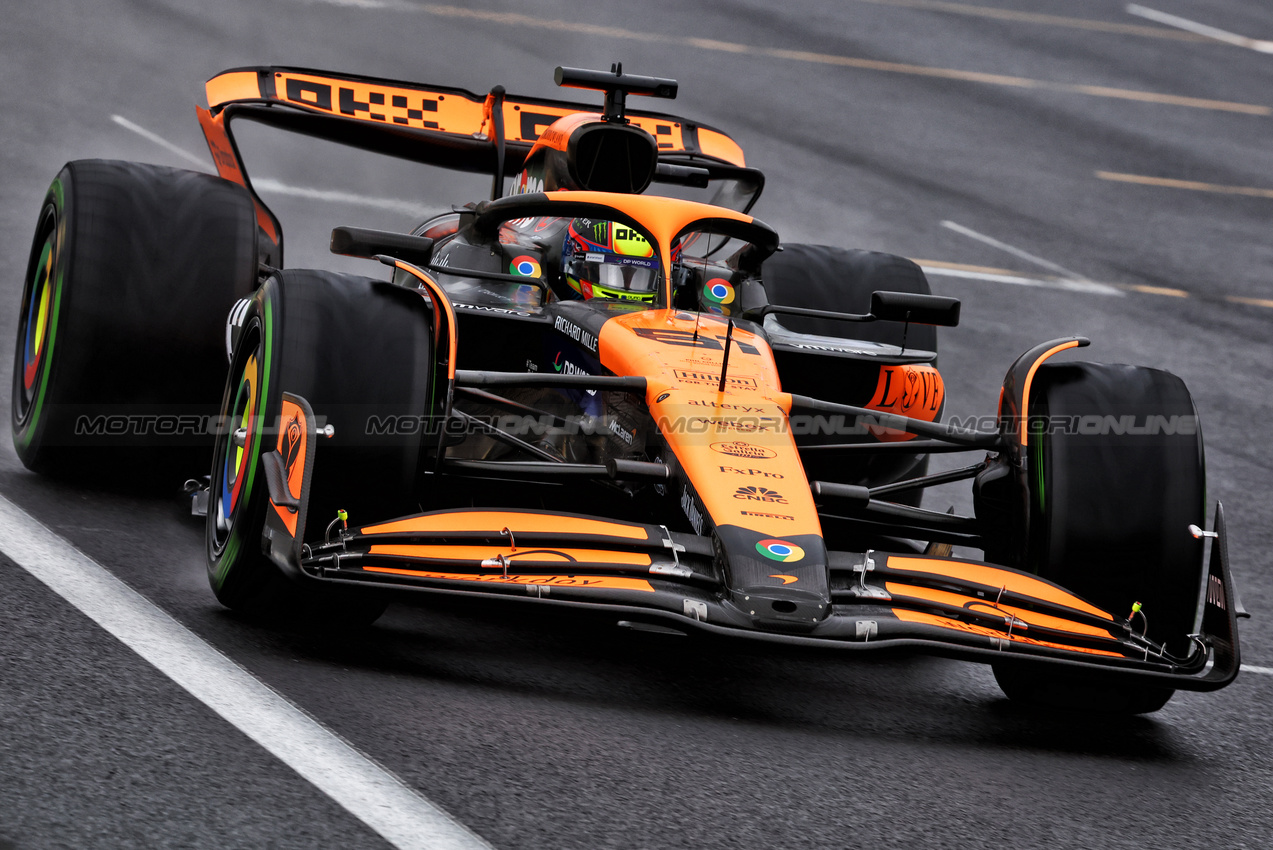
[649, 576]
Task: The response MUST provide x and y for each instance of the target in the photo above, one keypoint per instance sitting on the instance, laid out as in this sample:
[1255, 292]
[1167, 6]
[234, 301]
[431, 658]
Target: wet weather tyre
[1116, 478]
[120, 352]
[822, 277]
[360, 352]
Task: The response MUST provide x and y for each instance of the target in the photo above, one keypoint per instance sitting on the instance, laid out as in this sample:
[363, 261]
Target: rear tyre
[822, 277]
[360, 352]
[120, 351]
[1110, 511]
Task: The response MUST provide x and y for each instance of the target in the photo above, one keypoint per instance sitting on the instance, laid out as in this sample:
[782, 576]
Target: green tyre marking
[1036, 460]
[235, 541]
[59, 237]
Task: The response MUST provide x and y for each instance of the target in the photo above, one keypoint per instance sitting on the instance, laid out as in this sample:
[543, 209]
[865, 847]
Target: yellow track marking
[1170, 99]
[528, 22]
[1194, 185]
[1254, 302]
[1046, 20]
[1155, 290]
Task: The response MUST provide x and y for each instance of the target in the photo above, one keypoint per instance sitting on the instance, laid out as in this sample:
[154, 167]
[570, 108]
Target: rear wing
[436, 125]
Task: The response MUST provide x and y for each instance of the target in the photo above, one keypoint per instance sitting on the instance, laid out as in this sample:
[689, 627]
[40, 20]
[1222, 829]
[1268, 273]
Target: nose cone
[777, 583]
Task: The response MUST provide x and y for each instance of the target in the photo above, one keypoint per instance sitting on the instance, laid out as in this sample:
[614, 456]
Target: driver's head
[607, 259]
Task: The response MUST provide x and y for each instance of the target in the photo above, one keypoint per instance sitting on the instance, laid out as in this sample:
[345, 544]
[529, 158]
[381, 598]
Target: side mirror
[360, 242]
[912, 307]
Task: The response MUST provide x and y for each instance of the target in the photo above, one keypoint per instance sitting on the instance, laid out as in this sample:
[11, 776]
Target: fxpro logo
[738, 470]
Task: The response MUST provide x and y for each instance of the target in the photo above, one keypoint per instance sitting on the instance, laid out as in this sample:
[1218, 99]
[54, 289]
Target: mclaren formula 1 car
[607, 386]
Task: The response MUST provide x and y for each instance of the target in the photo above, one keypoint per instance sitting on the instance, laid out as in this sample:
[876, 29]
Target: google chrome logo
[719, 291]
[525, 266]
[780, 550]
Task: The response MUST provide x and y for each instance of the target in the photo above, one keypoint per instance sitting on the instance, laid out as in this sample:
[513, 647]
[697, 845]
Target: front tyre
[1116, 478]
[360, 352]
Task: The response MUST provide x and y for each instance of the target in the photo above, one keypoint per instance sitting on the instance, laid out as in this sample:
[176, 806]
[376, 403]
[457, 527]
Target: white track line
[366, 790]
[1015, 280]
[1200, 29]
[270, 186]
[267, 185]
[1070, 280]
[160, 140]
[1013, 250]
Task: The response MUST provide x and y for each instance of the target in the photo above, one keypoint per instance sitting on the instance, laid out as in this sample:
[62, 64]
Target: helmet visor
[616, 276]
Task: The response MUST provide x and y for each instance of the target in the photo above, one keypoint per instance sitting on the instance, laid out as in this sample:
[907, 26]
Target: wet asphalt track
[545, 734]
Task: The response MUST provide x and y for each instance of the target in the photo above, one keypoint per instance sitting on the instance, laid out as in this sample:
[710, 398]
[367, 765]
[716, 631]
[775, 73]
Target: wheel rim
[237, 447]
[36, 331]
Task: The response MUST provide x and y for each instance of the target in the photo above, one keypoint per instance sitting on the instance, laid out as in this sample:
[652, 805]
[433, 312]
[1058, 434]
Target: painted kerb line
[366, 790]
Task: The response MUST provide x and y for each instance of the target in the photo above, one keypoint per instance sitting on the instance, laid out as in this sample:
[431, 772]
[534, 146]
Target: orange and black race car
[608, 387]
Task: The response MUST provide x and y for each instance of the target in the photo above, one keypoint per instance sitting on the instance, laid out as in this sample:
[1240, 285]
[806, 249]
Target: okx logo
[759, 494]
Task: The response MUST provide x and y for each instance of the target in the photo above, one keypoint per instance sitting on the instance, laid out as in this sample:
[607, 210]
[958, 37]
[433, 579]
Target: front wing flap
[879, 600]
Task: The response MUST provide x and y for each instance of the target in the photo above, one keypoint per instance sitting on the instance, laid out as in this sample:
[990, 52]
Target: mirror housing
[913, 307]
[361, 242]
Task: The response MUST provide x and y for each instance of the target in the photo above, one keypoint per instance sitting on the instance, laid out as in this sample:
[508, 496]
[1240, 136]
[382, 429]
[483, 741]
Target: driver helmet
[608, 259]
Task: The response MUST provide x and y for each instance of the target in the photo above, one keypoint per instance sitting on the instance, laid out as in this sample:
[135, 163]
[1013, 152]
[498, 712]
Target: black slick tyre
[822, 277]
[1116, 478]
[360, 352]
[120, 352]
